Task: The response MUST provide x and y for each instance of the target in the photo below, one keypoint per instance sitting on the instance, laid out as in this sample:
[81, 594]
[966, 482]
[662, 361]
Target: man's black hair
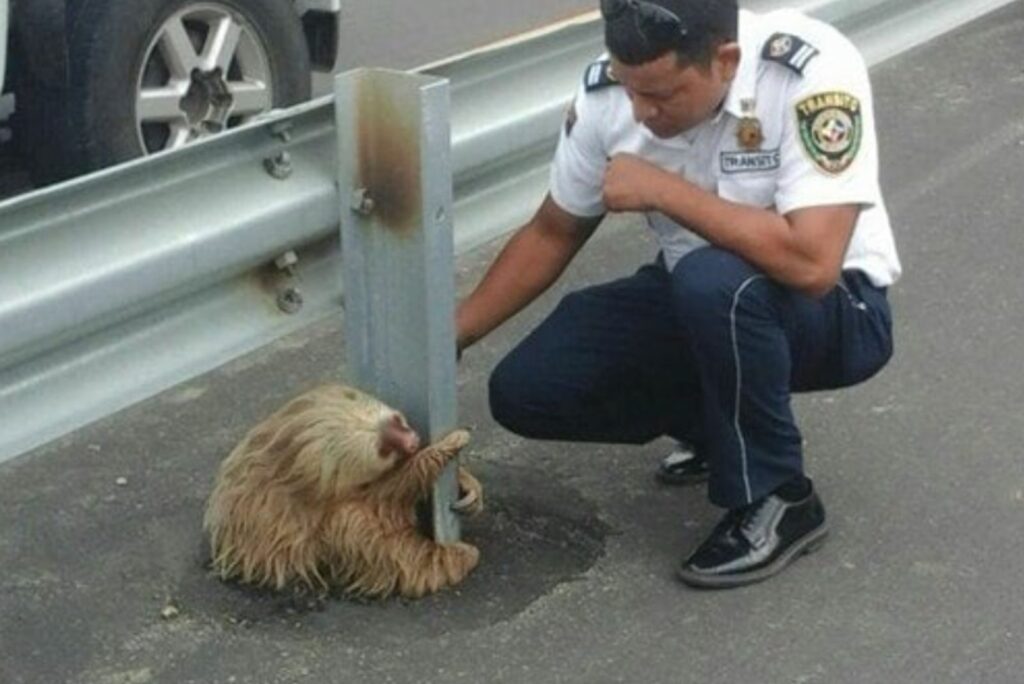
[708, 23]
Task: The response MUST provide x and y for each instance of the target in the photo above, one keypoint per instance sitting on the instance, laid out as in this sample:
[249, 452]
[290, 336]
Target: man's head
[675, 58]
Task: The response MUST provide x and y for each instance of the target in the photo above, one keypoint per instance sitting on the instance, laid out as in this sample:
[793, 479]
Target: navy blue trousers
[709, 353]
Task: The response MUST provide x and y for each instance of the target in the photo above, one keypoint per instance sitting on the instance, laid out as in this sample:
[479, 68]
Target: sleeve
[829, 152]
[577, 172]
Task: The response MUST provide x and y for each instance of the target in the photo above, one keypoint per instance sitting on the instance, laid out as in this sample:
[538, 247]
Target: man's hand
[630, 183]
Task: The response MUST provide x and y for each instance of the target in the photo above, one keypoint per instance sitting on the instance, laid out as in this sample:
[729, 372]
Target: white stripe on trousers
[739, 384]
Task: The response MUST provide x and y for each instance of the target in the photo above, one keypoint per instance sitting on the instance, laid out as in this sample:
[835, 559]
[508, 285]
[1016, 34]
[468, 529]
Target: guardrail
[123, 283]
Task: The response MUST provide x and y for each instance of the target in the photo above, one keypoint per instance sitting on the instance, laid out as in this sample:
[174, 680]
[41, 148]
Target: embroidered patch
[599, 75]
[749, 162]
[831, 129]
[789, 51]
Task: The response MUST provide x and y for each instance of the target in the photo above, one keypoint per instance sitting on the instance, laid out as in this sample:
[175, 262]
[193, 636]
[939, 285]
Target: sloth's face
[385, 436]
[398, 441]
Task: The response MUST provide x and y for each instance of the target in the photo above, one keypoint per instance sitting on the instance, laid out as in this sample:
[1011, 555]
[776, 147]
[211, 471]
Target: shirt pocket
[755, 190]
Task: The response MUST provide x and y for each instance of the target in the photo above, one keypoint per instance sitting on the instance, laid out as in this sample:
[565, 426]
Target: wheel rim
[205, 70]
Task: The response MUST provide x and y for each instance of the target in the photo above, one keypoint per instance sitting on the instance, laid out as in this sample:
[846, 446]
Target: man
[748, 142]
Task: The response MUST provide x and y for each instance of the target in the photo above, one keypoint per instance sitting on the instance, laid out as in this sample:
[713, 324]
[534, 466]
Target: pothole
[534, 535]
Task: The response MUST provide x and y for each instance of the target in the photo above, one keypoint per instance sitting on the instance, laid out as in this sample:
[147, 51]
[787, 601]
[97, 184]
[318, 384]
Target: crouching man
[748, 142]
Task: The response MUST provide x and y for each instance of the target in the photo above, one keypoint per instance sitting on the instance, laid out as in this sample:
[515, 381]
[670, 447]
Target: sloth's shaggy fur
[315, 495]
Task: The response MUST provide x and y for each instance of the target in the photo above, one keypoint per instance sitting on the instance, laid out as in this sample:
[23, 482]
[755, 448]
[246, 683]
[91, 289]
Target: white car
[97, 82]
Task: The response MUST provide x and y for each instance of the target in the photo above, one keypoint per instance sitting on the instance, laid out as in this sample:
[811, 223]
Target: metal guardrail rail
[123, 283]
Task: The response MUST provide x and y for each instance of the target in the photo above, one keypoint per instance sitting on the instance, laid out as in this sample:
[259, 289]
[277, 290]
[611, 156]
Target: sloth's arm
[417, 476]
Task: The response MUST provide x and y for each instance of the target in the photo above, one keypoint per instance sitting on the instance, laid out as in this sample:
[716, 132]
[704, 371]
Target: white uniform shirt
[809, 125]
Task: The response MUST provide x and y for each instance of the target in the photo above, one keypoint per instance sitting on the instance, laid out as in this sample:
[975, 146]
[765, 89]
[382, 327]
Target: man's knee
[505, 396]
[516, 397]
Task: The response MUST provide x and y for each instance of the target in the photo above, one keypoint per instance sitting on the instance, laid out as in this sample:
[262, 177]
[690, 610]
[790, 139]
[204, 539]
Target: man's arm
[530, 262]
[803, 249]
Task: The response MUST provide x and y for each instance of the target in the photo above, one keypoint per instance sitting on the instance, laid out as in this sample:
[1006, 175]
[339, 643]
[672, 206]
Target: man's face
[669, 99]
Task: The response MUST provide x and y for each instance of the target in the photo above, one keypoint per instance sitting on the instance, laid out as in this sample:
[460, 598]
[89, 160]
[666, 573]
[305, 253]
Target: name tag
[747, 162]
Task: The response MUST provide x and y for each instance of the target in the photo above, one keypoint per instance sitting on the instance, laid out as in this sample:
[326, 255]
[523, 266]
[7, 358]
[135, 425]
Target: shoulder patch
[789, 51]
[831, 129]
[599, 75]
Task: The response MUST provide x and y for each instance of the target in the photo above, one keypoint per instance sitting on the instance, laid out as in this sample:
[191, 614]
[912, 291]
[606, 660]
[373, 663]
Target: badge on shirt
[748, 132]
[831, 129]
[750, 162]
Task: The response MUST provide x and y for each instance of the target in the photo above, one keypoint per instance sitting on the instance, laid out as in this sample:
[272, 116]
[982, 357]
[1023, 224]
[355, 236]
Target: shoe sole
[809, 544]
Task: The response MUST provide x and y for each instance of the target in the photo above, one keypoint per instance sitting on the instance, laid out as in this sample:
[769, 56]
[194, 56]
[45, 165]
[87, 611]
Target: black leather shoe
[682, 467]
[753, 543]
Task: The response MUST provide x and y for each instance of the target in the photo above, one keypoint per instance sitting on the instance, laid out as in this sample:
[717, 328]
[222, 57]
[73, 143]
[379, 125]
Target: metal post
[395, 183]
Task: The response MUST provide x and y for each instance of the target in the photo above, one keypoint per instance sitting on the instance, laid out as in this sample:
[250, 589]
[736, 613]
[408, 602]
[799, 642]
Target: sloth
[323, 494]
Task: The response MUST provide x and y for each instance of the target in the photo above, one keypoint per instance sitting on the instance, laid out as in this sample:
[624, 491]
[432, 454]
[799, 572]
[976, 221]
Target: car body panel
[3, 42]
[303, 6]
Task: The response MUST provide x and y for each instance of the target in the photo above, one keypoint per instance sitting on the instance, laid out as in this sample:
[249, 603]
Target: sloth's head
[368, 438]
[337, 438]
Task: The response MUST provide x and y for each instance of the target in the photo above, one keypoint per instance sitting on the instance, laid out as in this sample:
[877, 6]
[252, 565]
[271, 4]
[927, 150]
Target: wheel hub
[207, 102]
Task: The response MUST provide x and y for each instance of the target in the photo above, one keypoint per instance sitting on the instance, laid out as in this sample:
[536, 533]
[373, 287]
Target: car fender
[321, 23]
[303, 6]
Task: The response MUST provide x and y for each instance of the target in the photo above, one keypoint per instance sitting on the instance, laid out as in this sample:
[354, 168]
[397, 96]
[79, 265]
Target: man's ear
[727, 55]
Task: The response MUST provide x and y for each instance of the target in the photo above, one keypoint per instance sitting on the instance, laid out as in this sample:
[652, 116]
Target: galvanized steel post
[395, 184]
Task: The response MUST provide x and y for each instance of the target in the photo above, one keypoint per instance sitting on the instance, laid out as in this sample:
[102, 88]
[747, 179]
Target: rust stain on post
[389, 156]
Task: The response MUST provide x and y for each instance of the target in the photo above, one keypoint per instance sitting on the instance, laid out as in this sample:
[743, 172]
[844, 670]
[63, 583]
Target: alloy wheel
[205, 70]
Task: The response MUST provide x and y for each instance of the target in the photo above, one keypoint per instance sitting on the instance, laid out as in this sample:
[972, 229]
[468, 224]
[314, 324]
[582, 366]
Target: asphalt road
[401, 34]
[922, 470]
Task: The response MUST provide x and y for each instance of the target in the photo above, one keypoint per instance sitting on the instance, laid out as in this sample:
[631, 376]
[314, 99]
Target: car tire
[93, 121]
